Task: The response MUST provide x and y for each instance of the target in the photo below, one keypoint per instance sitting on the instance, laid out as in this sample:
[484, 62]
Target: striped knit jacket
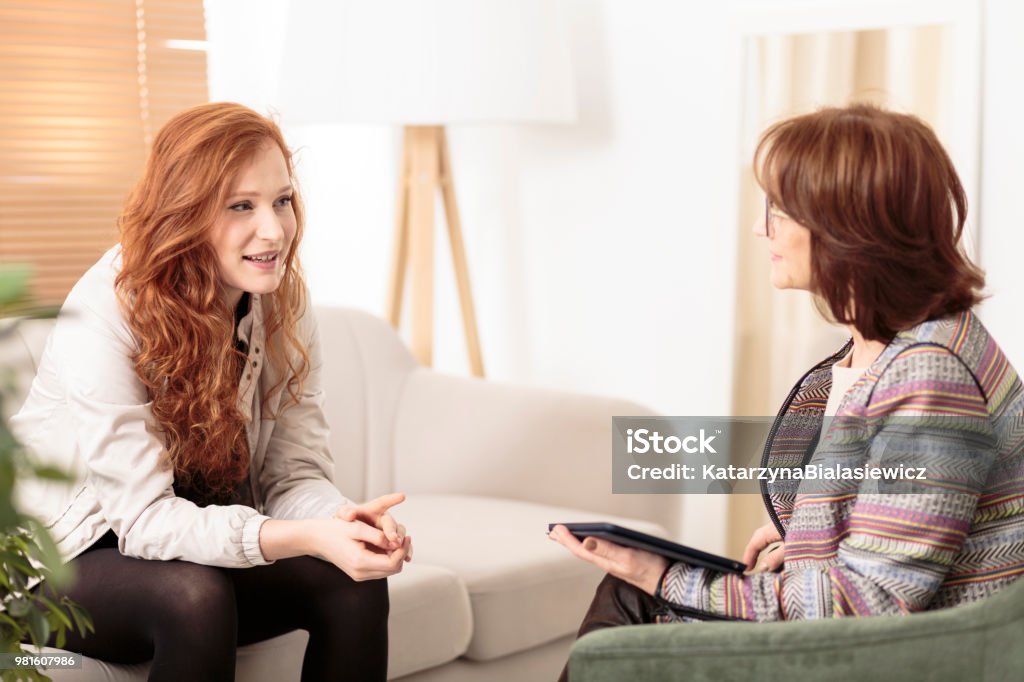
[861, 551]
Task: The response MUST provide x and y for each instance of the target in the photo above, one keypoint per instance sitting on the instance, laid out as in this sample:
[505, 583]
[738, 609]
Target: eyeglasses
[771, 216]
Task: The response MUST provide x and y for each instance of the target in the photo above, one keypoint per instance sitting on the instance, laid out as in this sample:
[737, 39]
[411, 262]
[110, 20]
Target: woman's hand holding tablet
[628, 537]
[637, 567]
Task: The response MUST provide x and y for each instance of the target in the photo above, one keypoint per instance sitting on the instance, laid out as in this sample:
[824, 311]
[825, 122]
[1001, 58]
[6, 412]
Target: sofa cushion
[524, 589]
[430, 624]
[278, 659]
[430, 620]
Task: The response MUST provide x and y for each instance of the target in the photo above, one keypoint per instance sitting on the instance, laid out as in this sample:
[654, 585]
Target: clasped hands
[365, 541]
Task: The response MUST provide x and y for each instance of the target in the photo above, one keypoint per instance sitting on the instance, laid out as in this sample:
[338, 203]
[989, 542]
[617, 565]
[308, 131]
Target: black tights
[189, 618]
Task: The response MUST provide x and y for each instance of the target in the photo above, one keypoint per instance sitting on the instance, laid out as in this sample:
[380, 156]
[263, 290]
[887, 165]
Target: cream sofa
[485, 467]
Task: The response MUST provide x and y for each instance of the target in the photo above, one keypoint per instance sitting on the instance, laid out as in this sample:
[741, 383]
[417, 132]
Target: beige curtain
[780, 334]
[85, 85]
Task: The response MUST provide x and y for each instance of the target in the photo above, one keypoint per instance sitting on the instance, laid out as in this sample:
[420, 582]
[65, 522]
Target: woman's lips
[263, 265]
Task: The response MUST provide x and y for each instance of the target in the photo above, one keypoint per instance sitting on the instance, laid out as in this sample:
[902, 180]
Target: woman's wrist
[282, 539]
[661, 581]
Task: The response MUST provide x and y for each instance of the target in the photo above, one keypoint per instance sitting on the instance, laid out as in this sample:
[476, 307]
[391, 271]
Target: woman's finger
[562, 536]
[368, 534]
[407, 542]
[389, 526]
[772, 557]
[608, 550]
[624, 562]
[754, 546]
[751, 552]
[605, 555]
[761, 538]
[609, 557]
[371, 511]
[347, 512]
[382, 564]
[381, 504]
[597, 552]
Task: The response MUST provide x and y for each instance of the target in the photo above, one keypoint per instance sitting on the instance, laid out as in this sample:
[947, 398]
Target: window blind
[85, 86]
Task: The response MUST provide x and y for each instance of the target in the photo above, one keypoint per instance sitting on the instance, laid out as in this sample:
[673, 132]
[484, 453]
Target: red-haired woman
[865, 210]
[181, 387]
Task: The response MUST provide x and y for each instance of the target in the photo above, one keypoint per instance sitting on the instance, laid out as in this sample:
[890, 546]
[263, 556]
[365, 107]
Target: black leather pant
[617, 603]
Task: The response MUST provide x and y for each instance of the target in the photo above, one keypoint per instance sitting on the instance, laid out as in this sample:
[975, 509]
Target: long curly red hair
[169, 289]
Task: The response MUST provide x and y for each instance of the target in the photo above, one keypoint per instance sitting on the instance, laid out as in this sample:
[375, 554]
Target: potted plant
[27, 552]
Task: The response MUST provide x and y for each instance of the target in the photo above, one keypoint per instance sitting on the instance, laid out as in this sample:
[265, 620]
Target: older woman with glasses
[865, 210]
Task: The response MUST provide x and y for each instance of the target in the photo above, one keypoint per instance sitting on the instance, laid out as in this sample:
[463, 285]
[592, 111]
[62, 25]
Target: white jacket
[87, 413]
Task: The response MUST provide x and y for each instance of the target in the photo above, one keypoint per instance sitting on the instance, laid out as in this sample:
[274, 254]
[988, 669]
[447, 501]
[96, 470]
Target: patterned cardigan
[859, 552]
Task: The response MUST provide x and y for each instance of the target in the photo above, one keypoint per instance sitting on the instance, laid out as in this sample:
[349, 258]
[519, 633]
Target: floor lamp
[428, 65]
[426, 168]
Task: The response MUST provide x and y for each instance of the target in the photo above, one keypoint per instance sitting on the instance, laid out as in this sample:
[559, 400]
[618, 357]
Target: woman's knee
[372, 596]
[336, 591]
[201, 598]
[616, 602]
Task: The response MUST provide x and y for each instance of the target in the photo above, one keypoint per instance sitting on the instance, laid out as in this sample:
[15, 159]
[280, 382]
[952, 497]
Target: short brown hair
[885, 209]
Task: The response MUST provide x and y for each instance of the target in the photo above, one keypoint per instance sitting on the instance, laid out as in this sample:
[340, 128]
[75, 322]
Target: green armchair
[978, 642]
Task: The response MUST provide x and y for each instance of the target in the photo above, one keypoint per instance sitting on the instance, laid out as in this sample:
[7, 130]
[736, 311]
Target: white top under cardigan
[87, 413]
[843, 378]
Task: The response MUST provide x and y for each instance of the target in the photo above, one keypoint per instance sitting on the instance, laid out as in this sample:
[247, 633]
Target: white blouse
[843, 379]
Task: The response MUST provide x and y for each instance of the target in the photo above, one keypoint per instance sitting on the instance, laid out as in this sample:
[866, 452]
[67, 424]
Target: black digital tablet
[628, 537]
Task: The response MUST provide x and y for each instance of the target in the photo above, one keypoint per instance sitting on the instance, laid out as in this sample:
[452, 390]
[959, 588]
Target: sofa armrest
[979, 641]
[467, 436]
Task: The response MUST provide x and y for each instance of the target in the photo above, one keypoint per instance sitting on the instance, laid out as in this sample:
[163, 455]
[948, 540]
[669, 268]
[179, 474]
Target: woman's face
[789, 246]
[255, 227]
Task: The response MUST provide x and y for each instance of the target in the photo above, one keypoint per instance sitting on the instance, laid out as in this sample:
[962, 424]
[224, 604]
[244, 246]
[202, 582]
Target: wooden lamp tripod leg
[422, 187]
[476, 361]
[425, 166]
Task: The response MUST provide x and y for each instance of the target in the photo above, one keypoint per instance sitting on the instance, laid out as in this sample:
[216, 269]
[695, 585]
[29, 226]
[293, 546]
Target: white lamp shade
[427, 62]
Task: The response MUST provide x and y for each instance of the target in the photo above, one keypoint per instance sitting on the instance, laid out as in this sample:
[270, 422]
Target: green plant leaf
[24, 568]
[7, 471]
[50, 473]
[59, 573]
[19, 608]
[18, 581]
[83, 621]
[38, 627]
[14, 281]
[27, 550]
[57, 611]
[20, 543]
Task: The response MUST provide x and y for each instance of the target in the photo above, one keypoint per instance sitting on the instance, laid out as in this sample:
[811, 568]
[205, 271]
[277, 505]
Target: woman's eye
[240, 206]
[284, 201]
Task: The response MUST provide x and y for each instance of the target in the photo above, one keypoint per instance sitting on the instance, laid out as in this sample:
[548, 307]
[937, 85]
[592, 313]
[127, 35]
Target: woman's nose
[758, 226]
[269, 227]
